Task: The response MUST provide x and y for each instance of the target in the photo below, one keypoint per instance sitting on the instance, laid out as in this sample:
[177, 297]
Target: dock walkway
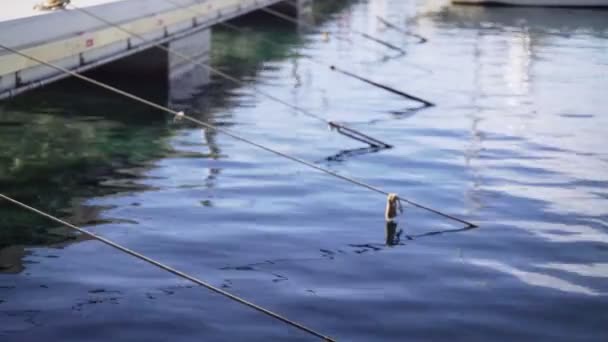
[77, 41]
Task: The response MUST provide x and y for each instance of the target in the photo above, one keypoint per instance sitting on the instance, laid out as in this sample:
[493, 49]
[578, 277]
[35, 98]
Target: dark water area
[516, 144]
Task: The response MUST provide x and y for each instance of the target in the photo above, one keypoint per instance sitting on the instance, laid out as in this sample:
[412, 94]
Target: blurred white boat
[548, 3]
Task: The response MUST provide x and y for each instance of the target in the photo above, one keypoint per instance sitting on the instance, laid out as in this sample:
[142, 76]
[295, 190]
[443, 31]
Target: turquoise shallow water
[516, 144]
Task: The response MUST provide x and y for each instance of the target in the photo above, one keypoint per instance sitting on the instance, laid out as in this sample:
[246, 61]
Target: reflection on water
[393, 235]
[599, 270]
[58, 147]
[561, 21]
[536, 279]
[516, 144]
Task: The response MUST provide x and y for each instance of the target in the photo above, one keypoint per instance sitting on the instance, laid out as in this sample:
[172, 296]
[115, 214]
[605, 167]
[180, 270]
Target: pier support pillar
[186, 78]
[176, 78]
[301, 9]
[304, 8]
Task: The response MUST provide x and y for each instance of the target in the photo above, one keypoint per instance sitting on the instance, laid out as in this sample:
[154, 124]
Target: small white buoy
[178, 116]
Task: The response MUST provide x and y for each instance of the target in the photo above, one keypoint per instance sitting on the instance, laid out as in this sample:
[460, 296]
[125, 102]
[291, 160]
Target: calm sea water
[516, 143]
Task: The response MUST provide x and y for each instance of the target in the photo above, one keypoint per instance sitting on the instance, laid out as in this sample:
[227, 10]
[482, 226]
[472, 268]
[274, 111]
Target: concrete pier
[77, 41]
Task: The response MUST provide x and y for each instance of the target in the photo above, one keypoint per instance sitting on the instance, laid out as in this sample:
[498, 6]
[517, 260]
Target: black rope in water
[362, 34]
[382, 42]
[361, 137]
[340, 156]
[357, 135]
[229, 133]
[398, 29]
[169, 269]
[387, 88]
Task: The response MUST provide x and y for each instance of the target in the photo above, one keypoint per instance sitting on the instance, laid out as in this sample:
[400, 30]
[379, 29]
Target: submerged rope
[388, 24]
[382, 86]
[421, 39]
[360, 33]
[168, 269]
[231, 134]
[361, 136]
